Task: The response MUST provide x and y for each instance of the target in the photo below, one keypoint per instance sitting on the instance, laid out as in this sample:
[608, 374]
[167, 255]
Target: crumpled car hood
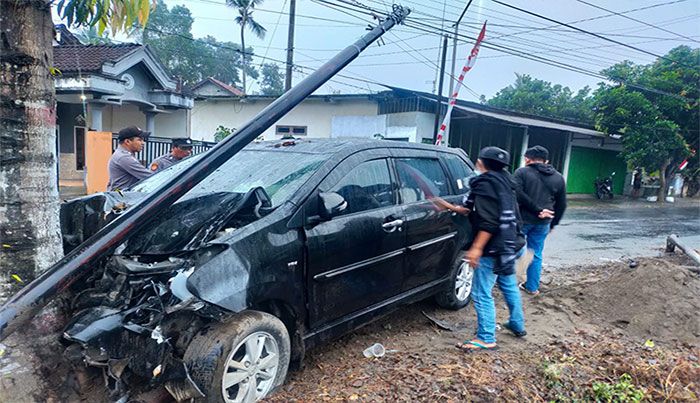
[182, 226]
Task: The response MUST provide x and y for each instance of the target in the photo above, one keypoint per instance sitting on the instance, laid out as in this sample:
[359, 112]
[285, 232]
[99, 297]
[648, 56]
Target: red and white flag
[453, 99]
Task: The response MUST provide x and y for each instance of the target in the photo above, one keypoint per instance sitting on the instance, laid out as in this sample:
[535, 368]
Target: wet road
[599, 232]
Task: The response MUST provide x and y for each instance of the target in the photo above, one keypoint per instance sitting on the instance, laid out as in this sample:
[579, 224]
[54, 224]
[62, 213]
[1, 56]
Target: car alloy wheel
[463, 283]
[251, 368]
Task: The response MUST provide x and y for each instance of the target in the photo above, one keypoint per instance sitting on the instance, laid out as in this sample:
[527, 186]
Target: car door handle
[392, 225]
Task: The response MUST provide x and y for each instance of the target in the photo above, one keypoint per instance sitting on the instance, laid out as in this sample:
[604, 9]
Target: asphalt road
[595, 232]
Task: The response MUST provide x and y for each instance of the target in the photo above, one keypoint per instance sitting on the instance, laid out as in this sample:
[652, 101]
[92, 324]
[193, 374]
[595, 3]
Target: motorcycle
[603, 187]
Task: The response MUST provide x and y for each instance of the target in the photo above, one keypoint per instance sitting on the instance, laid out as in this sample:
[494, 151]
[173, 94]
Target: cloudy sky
[410, 54]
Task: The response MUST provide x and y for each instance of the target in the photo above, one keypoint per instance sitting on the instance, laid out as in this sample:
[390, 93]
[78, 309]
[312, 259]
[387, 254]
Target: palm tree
[245, 19]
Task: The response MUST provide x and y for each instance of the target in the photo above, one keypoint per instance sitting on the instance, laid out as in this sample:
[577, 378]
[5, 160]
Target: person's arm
[487, 211]
[440, 202]
[133, 167]
[523, 199]
[559, 205]
[477, 249]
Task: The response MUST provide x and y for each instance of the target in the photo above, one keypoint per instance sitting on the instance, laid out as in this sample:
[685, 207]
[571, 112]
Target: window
[421, 179]
[79, 148]
[365, 187]
[461, 173]
[290, 130]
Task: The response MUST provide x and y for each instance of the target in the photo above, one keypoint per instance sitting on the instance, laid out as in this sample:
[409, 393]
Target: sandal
[521, 333]
[533, 293]
[475, 345]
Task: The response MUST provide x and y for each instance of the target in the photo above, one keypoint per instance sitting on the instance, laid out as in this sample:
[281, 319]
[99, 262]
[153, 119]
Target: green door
[587, 164]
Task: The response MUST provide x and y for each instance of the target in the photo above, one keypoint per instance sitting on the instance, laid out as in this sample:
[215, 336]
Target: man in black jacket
[542, 199]
[496, 243]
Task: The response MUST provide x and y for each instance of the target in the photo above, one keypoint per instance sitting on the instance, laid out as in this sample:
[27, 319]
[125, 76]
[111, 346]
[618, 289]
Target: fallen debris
[673, 241]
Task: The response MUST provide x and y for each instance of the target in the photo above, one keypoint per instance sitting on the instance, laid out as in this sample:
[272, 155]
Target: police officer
[181, 149]
[124, 169]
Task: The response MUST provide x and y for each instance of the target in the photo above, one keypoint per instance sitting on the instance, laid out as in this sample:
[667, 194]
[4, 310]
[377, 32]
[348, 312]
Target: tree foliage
[119, 15]
[656, 110]
[542, 98]
[272, 82]
[245, 20]
[90, 36]
[169, 34]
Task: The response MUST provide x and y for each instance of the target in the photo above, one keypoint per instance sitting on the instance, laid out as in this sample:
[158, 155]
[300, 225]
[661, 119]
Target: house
[104, 88]
[581, 153]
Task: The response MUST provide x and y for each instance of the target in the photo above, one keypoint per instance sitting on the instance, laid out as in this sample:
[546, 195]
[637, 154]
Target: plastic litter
[377, 350]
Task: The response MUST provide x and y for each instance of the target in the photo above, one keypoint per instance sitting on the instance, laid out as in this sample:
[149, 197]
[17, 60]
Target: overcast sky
[409, 56]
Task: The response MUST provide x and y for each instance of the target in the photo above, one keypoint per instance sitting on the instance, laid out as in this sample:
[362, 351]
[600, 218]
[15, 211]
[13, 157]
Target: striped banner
[453, 99]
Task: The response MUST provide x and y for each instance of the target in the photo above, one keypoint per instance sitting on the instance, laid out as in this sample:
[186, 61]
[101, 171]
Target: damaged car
[285, 246]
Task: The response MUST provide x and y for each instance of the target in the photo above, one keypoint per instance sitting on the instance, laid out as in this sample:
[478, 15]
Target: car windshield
[280, 173]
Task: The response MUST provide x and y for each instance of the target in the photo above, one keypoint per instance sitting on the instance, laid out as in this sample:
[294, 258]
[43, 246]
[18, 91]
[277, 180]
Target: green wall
[588, 163]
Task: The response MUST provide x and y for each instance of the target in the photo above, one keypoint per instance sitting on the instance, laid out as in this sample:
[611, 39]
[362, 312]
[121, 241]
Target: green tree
[656, 111]
[29, 222]
[272, 82]
[90, 36]
[539, 97]
[245, 20]
[169, 34]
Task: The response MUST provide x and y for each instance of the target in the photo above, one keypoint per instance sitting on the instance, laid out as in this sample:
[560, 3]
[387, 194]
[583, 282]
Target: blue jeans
[535, 235]
[482, 296]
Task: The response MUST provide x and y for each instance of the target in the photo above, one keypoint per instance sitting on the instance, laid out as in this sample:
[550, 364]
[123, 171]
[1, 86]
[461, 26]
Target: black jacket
[485, 207]
[539, 187]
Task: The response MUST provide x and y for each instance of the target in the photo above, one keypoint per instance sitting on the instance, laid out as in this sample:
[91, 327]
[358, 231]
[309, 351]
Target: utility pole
[441, 80]
[454, 60]
[290, 46]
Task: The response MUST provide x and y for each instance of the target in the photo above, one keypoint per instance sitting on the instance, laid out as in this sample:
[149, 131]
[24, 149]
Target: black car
[285, 246]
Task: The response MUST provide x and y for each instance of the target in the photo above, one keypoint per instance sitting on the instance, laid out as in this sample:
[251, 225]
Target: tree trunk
[663, 183]
[30, 234]
[243, 54]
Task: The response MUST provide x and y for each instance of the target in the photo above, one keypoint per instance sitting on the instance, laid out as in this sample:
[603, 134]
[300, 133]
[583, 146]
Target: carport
[580, 153]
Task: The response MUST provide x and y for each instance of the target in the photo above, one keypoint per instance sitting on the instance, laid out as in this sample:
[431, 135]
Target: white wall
[317, 115]
[173, 124]
[414, 125]
[115, 118]
[358, 126]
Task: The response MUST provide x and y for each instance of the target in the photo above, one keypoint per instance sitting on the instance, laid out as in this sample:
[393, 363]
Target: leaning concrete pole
[80, 261]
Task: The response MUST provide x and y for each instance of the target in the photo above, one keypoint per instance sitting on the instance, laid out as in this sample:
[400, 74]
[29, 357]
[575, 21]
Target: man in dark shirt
[542, 199]
[181, 149]
[124, 169]
[496, 243]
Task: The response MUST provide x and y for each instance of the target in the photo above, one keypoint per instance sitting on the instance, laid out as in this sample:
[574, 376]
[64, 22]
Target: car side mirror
[330, 204]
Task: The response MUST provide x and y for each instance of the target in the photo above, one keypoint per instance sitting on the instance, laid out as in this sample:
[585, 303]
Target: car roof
[343, 146]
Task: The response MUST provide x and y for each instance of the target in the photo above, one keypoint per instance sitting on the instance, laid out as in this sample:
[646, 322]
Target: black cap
[537, 153]
[495, 154]
[182, 143]
[130, 132]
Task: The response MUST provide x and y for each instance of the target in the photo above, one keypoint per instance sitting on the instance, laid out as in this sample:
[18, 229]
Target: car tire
[457, 294]
[225, 360]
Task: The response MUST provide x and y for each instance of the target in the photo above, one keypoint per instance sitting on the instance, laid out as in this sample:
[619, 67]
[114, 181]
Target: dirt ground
[588, 328]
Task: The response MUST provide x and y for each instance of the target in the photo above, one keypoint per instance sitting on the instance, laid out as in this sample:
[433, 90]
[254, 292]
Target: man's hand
[546, 213]
[473, 256]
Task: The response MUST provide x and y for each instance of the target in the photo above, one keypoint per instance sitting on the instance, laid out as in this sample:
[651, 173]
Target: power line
[581, 30]
[636, 20]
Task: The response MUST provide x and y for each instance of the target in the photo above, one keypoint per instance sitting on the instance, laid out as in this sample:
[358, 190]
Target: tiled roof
[89, 58]
[233, 90]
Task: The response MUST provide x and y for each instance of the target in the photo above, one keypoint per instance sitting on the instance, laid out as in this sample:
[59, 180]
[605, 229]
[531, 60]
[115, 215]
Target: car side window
[460, 172]
[421, 179]
[365, 187]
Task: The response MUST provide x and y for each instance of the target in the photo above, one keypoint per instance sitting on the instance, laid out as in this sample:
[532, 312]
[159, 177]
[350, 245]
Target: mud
[590, 325]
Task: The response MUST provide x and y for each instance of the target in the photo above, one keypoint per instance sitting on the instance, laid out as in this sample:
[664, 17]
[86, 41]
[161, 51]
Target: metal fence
[157, 146]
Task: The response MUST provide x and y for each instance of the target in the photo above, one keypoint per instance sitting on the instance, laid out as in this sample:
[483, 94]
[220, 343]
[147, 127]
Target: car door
[355, 259]
[431, 231]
